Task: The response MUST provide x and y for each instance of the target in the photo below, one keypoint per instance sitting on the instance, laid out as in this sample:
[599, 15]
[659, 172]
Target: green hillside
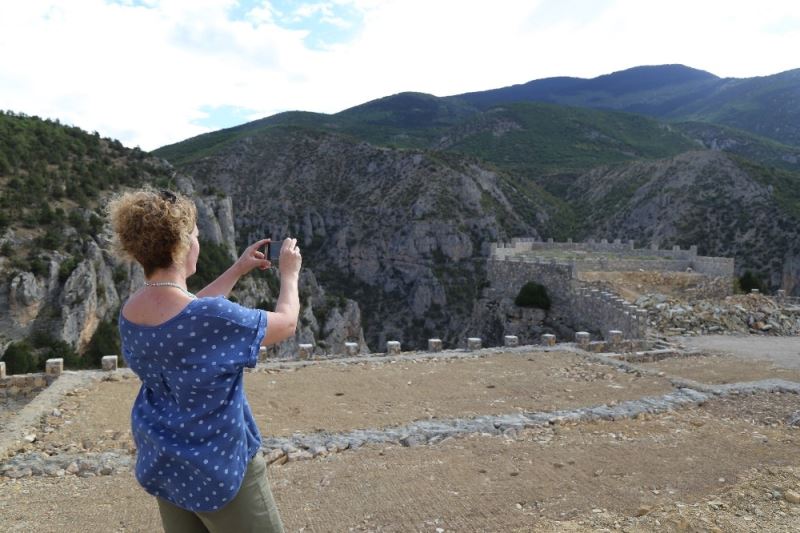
[52, 178]
[767, 106]
[534, 138]
[742, 143]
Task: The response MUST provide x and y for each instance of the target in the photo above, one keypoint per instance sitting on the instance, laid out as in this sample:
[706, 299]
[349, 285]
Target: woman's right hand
[290, 258]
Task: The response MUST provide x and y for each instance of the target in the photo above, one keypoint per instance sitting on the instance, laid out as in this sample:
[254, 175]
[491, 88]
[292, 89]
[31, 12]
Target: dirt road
[730, 464]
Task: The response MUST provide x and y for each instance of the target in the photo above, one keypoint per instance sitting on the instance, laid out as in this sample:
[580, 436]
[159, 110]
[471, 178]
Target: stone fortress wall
[621, 256]
[513, 264]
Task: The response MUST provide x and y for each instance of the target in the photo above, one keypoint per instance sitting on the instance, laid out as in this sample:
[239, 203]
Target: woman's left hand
[252, 258]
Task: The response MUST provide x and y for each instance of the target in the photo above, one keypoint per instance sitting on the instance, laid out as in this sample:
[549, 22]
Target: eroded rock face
[71, 309]
[401, 232]
[26, 297]
[215, 222]
[88, 297]
[704, 198]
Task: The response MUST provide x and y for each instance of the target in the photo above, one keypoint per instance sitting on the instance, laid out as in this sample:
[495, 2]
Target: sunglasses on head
[168, 196]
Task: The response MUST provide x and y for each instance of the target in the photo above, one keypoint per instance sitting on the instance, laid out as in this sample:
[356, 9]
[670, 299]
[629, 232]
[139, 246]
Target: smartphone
[272, 251]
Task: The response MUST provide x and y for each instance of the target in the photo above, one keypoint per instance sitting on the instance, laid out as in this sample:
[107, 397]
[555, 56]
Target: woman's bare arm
[251, 258]
[282, 324]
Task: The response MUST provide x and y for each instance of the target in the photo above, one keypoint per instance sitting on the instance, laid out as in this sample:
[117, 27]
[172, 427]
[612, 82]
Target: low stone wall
[603, 311]
[721, 267]
[22, 385]
[617, 247]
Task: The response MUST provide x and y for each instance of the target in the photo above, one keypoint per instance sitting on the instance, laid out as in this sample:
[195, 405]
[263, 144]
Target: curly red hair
[152, 227]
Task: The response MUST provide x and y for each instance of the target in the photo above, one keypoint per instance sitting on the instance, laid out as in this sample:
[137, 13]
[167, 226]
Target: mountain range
[395, 201]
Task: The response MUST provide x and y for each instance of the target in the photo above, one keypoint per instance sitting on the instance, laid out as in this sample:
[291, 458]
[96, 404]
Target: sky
[155, 72]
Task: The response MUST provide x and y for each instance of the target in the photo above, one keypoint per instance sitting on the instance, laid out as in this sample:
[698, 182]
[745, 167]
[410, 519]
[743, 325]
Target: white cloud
[146, 74]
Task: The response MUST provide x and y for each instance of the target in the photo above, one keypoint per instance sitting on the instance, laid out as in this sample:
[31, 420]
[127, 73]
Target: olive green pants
[252, 509]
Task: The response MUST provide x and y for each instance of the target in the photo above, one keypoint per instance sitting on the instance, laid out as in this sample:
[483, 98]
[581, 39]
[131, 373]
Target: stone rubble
[751, 313]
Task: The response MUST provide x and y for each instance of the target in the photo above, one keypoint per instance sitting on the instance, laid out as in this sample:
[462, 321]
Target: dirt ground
[378, 394]
[783, 352]
[572, 477]
[730, 464]
[631, 285]
[719, 369]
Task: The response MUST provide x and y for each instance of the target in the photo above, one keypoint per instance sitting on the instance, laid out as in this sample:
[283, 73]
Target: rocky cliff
[78, 291]
[404, 233]
[726, 206]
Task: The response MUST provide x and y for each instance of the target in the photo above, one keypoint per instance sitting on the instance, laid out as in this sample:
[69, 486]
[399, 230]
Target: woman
[198, 445]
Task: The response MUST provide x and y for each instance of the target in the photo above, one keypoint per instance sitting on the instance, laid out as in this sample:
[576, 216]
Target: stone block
[54, 367]
[351, 348]
[2, 369]
[474, 343]
[262, 354]
[305, 351]
[393, 348]
[434, 345]
[614, 337]
[754, 291]
[109, 362]
[548, 339]
[39, 381]
[781, 294]
[511, 340]
[582, 339]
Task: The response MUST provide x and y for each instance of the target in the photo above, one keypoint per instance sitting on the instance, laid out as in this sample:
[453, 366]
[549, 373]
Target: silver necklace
[169, 284]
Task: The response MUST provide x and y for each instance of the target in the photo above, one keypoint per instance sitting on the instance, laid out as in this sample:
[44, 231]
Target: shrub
[533, 294]
[213, 261]
[50, 347]
[66, 267]
[749, 281]
[105, 341]
[20, 359]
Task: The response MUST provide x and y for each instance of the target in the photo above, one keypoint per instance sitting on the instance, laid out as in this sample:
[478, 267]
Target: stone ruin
[559, 265]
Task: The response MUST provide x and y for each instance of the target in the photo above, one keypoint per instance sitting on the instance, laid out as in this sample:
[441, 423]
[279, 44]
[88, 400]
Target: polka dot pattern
[193, 428]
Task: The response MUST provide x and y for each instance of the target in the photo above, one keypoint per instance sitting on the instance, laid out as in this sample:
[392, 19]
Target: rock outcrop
[69, 304]
[404, 233]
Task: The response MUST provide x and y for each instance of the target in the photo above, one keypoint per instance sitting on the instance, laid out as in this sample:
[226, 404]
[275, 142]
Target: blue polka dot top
[191, 422]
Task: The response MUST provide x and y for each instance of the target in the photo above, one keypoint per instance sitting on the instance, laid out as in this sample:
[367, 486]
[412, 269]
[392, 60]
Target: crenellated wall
[556, 265]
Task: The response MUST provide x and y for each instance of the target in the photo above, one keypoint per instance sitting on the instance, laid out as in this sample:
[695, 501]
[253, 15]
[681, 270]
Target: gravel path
[780, 351]
[27, 419]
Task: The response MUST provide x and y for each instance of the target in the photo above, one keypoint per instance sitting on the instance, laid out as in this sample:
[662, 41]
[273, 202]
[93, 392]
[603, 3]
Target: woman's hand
[290, 258]
[252, 258]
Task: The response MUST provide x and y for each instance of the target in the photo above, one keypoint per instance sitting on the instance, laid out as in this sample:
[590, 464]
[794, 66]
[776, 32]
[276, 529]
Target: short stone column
[614, 337]
[434, 345]
[393, 348]
[2, 369]
[304, 351]
[511, 341]
[582, 339]
[351, 348]
[54, 367]
[262, 354]
[781, 294]
[474, 343]
[109, 362]
[548, 339]
[754, 291]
